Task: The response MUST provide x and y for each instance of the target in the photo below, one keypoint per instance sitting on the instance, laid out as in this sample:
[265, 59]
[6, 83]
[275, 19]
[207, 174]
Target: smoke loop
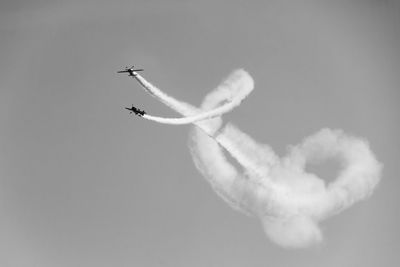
[289, 201]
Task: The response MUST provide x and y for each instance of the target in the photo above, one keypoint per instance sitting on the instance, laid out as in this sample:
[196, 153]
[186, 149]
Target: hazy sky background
[83, 183]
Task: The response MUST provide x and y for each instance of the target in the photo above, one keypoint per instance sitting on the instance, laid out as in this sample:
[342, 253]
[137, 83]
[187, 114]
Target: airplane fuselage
[131, 71]
[136, 111]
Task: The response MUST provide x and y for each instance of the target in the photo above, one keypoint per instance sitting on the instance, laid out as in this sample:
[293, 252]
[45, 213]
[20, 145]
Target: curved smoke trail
[206, 115]
[232, 91]
[289, 201]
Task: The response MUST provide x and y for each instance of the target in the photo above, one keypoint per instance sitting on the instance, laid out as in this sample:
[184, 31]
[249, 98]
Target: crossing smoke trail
[289, 201]
[233, 91]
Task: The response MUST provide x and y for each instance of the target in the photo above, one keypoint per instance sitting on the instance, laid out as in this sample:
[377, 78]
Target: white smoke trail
[288, 200]
[233, 91]
[206, 115]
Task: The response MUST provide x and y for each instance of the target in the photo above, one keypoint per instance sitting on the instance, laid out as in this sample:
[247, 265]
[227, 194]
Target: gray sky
[83, 183]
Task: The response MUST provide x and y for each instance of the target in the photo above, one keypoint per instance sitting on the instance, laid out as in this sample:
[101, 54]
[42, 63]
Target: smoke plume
[289, 201]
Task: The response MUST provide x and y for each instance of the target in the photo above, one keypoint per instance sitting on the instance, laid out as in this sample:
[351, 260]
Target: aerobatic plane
[130, 70]
[137, 111]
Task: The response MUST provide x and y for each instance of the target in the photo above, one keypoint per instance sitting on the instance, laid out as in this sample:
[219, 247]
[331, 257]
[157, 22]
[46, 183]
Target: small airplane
[137, 111]
[130, 70]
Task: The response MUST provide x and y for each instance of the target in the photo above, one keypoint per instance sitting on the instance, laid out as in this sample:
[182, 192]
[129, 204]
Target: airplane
[137, 111]
[130, 70]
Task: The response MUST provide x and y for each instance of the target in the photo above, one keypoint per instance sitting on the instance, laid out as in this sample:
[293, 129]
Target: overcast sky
[83, 183]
